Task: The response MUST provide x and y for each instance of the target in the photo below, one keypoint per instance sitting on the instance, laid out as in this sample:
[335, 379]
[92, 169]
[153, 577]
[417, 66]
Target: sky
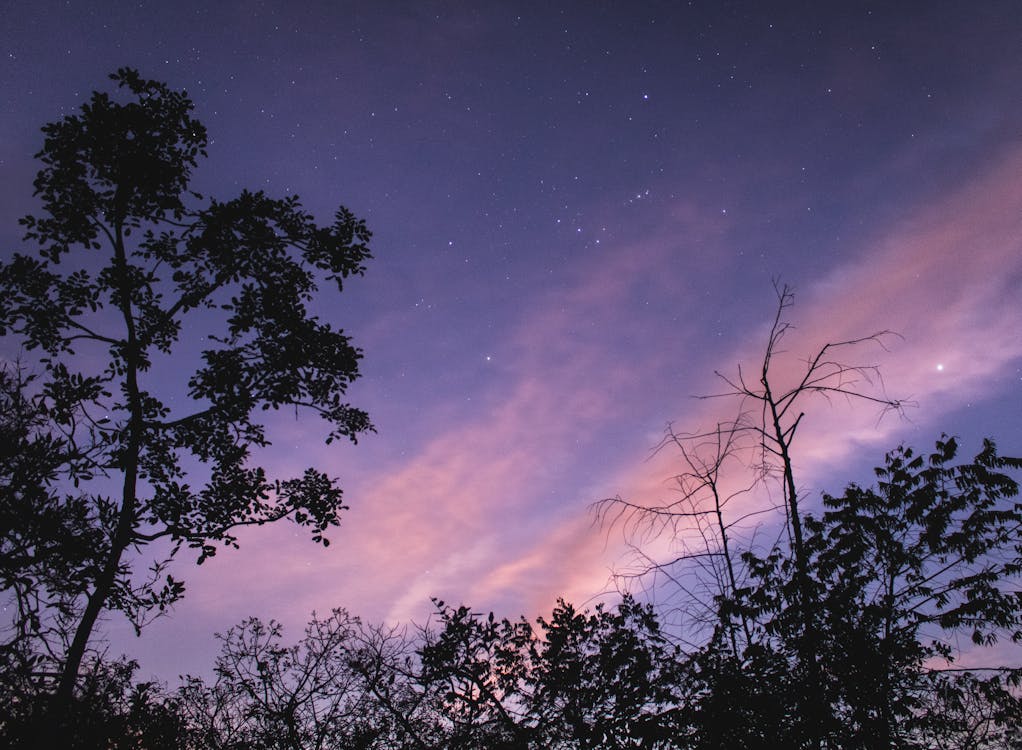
[579, 210]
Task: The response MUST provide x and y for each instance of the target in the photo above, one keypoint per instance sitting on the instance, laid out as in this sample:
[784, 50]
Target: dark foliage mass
[898, 572]
[900, 575]
[887, 617]
[103, 453]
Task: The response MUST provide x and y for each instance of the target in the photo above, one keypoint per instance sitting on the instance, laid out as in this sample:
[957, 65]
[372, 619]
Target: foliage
[110, 710]
[900, 573]
[904, 573]
[309, 695]
[474, 670]
[132, 269]
[606, 679]
[50, 544]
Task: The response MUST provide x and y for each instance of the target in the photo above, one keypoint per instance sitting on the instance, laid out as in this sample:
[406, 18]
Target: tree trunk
[64, 695]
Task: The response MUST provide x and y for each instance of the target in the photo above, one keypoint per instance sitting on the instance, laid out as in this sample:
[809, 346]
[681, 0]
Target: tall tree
[907, 571]
[901, 575]
[759, 439]
[131, 268]
[845, 631]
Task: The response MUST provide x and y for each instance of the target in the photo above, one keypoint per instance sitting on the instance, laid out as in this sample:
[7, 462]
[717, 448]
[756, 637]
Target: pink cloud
[471, 500]
[947, 279]
[470, 513]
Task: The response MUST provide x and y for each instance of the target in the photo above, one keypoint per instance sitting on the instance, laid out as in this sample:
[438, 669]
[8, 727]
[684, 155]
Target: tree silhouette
[760, 440]
[316, 693]
[900, 575]
[131, 267]
[844, 632]
[906, 571]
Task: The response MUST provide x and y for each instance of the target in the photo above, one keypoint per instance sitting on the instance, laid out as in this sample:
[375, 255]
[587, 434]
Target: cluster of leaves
[51, 545]
[600, 679]
[111, 710]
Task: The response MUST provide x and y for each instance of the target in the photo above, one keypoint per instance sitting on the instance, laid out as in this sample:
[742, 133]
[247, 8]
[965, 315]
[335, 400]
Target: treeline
[900, 574]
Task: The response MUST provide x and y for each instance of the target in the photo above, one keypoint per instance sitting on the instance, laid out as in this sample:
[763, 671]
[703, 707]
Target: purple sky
[578, 210]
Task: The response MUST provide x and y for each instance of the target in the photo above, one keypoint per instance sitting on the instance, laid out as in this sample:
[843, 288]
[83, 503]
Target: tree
[606, 678]
[344, 683]
[312, 695]
[110, 710]
[906, 571]
[901, 574]
[593, 679]
[844, 631]
[128, 259]
[474, 670]
[760, 436]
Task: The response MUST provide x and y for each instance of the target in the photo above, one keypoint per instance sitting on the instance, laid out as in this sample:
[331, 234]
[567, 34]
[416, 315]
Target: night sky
[578, 211]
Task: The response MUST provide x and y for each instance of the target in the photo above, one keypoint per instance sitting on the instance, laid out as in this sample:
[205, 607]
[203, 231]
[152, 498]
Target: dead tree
[757, 444]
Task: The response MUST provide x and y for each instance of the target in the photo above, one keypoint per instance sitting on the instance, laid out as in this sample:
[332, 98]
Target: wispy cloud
[491, 511]
[947, 279]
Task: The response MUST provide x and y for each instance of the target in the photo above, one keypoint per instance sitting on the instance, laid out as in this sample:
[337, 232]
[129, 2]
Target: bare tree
[751, 451]
[343, 684]
[698, 521]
